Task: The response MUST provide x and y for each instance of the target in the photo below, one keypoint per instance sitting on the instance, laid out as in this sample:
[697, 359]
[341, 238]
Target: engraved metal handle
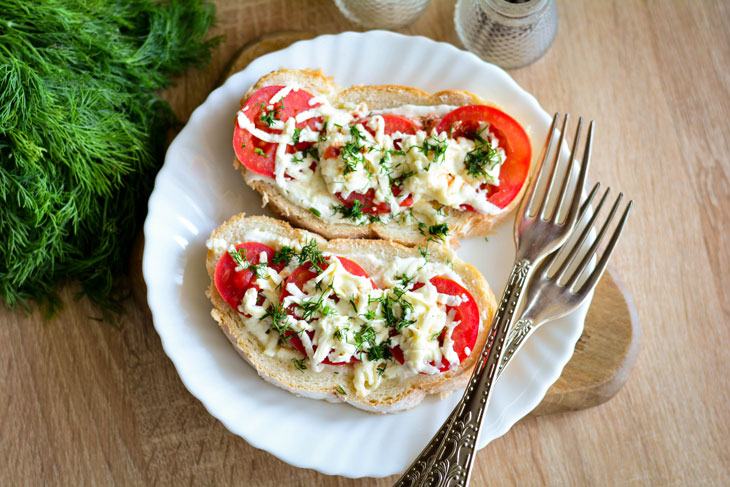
[517, 335]
[449, 457]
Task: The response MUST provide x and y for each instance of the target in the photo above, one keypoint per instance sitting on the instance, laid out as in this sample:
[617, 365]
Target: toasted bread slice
[379, 97]
[335, 382]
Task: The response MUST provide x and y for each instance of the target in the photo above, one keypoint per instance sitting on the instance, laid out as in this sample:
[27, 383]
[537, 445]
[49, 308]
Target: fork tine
[584, 234]
[586, 204]
[601, 266]
[532, 188]
[568, 172]
[588, 201]
[571, 217]
[551, 181]
[592, 250]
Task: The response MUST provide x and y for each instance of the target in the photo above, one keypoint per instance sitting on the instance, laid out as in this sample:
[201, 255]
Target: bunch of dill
[82, 133]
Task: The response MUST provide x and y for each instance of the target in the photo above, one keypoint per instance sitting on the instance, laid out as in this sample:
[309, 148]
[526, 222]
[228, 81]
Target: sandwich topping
[410, 164]
[318, 309]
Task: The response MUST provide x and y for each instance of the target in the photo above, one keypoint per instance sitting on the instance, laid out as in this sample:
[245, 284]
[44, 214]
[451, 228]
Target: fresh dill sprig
[82, 134]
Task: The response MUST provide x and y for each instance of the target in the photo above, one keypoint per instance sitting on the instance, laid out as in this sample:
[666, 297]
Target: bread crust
[462, 224]
[391, 395]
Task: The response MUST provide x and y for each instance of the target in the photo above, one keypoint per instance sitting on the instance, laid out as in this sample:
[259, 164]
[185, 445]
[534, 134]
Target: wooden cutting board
[605, 353]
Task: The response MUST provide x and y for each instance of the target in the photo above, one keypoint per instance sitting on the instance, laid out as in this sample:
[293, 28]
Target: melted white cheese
[432, 183]
[349, 318]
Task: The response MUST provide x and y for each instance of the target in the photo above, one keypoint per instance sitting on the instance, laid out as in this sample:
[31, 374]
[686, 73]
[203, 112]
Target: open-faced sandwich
[379, 161]
[369, 322]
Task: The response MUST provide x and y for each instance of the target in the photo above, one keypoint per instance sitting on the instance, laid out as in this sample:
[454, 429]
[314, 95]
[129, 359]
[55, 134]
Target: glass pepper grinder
[509, 33]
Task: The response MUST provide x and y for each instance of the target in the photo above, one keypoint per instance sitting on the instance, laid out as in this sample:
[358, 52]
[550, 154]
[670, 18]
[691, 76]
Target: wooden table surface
[87, 404]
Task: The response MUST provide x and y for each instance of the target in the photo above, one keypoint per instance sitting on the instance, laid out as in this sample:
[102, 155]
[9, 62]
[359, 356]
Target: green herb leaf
[481, 159]
[353, 212]
[438, 232]
[279, 318]
[311, 253]
[82, 135]
[272, 115]
[299, 364]
[315, 211]
[283, 255]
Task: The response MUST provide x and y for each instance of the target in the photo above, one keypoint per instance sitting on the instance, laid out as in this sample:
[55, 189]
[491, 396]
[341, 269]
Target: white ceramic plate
[197, 189]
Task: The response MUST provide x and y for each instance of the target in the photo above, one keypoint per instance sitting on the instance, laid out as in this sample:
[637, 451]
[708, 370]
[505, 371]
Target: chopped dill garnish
[312, 152]
[369, 315]
[295, 135]
[432, 145]
[239, 257]
[380, 351]
[351, 152]
[315, 211]
[481, 159]
[437, 232]
[272, 115]
[405, 279]
[299, 364]
[278, 316]
[341, 390]
[391, 305]
[353, 212]
[283, 255]
[311, 253]
[259, 152]
[381, 369]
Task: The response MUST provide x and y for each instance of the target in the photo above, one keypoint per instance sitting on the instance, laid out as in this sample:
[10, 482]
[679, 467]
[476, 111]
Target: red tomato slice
[464, 122]
[232, 285]
[393, 123]
[299, 277]
[367, 200]
[397, 123]
[245, 145]
[467, 313]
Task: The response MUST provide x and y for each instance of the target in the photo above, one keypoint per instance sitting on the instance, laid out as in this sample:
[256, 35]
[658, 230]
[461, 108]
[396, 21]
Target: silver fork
[553, 293]
[449, 456]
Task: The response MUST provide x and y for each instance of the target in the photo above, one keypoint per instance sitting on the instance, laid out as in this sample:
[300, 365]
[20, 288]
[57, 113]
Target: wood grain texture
[84, 403]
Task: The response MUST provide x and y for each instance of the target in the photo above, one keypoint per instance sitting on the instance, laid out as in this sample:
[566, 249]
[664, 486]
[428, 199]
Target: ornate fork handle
[517, 335]
[449, 456]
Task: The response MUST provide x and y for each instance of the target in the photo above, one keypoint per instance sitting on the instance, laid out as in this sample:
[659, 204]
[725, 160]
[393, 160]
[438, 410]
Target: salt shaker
[509, 33]
[382, 14]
